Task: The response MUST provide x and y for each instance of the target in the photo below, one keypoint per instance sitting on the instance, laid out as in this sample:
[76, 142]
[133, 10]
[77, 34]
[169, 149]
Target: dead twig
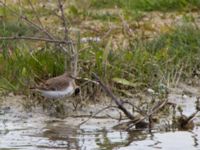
[35, 12]
[92, 116]
[39, 28]
[86, 81]
[35, 39]
[155, 109]
[74, 60]
[191, 117]
[66, 44]
[27, 20]
[88, 116]
[60, 6]
[118, 102]
[71, 47]
[115, 118]
[137, 109]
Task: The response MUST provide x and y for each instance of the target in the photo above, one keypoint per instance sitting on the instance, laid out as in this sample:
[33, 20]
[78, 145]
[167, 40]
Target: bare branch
[118, 102]
[141, 112]
[191, 117]
[154, 110]
[36, 14]
[60, 5]
[35, 39]
[38, 27]
[66, 46]
[92, 116]
[115, 118]
[28, 21]
[88, 116]
[74, 60]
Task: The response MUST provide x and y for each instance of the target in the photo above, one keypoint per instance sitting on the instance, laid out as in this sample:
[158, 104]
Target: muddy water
[37, 131]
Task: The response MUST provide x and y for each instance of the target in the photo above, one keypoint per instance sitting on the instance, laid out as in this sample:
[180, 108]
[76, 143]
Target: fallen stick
[117, 101]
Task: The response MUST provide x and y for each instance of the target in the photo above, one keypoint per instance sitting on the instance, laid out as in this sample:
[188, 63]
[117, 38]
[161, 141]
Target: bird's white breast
[59, 93]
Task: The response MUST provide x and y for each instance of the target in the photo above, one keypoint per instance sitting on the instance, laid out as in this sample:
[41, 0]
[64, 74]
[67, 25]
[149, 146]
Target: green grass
[21, 69]
[147, 5]
[14, 28]
[163, 60]
[106, 3]
[104, 17]
[167, 59]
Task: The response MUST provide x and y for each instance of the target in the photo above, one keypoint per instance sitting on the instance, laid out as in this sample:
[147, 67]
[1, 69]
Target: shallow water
[57, 134]
[36, 131]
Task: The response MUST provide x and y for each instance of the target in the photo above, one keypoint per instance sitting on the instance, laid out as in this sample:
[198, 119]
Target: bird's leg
[52, 103]
[44, 103]
[81, 100]
[54, 107]
[60, 107]
[76, 103]
[51, 107]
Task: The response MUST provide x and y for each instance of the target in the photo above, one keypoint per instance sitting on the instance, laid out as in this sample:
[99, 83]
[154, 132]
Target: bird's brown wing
[56, 83]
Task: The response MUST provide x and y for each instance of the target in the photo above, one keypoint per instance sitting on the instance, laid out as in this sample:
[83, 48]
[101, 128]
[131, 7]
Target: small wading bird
[57, 88]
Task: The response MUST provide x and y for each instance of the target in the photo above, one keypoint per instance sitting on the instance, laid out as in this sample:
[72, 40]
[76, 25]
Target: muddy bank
[23, 107]
[23, 128]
